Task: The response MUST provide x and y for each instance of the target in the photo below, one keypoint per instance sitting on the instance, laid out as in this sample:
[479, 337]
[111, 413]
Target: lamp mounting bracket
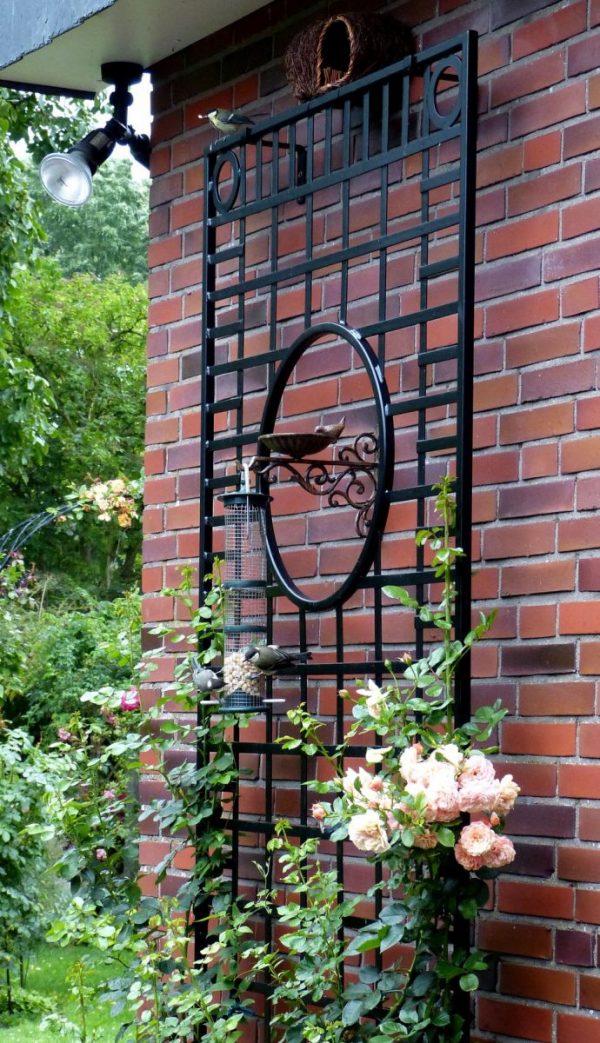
[122, 74]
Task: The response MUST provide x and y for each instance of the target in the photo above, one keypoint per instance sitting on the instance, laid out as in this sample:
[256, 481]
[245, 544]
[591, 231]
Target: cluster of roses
[128, 701]
[427, 792]
[112, 499]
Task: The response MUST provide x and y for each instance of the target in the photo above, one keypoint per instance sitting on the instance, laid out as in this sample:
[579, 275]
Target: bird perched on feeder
[270, 658]
[226, 120]
[205, 679]
[333, 431]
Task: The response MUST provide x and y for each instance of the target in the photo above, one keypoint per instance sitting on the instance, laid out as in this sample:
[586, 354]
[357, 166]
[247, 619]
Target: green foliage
[107, 236]
[48, 658]
[24, 784]
[78, 349]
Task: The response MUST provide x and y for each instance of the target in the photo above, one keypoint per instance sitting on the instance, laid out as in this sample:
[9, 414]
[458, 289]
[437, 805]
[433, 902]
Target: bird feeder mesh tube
[244, 575]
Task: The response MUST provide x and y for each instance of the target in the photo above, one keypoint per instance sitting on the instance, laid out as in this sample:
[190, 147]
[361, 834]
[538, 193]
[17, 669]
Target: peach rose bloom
[318, 812]
[478, 795]
[426, 841]
[451, 753]
[411, 763]
[508, 791]
[477, 767]
[501, 854]
[477, 838]
[367, 833]
[442, 800]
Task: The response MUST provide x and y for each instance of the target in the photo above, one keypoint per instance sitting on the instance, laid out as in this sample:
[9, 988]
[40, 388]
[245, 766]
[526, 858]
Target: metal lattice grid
[353, 212]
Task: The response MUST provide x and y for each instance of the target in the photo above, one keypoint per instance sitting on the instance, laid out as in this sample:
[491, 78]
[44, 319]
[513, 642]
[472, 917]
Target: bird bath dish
[297, 445]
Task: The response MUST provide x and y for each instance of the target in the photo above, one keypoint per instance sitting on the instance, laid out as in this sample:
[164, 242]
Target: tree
[107, 236]
[85, 340]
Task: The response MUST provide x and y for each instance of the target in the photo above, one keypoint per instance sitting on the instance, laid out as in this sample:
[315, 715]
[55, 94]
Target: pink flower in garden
[130, 700]
[367, 833]
[64, 735]
[450, 752]
[508, 791]
[101, 854]
[109, 794]
[368, 791]
[318, 812]
[478, 796]
[477, 838]
[477, 767]
[442, 799]
[410, 762]
[502, 853]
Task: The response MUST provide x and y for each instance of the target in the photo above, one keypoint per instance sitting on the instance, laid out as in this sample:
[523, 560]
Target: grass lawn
[49, 965]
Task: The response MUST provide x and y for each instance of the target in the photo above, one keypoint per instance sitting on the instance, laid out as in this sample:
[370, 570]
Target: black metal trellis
[355, 209]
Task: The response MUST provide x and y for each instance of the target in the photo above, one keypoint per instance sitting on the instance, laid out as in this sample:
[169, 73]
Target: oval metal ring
[224, 205]
[385, 463]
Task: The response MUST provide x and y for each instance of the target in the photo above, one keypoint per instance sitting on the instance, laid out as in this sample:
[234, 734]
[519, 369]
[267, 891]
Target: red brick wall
[537, 438]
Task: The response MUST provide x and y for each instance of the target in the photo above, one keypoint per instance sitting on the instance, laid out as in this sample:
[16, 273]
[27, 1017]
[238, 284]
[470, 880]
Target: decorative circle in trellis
[449, 67]
[379, 444]
[224, 203]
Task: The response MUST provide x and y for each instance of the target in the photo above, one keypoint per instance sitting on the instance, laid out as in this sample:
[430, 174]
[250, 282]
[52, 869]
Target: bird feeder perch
[244, 575]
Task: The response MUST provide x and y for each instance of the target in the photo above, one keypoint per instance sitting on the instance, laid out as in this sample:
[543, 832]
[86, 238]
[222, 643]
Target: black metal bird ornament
[270, 659]
[333, 431]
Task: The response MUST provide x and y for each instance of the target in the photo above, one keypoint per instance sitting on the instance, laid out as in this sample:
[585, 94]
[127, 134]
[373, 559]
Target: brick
[583, 454]
[540, 33]
[589, 574]
[588, 413]
[544, 189]
[521, 1022]
[579, 780]
[531, 309]
[534, 859]
[154, 461]
[589, 818]
[188, 212]
[507, 276]
[537, 621]
[538, 983]
[555, 106]
[518, 236]
[577, 1027]
[556, 699]
[499, 165]
[526, 349]
[588, 494]
[159, 490]
[578, 533]
[587, 906]
[510, 541]
[494, 468]
[543, 740]
[579, 863]
[542, 820]
[164, 251]
[536, 498]
[164, 311]
[572, 259]
[160, 549]
[537, 579]
[540, 422]
[162, 430]
[545, 900]
[183, 516]
[535, 779]
[169, 187]
[579, 617]
[525, 78]
[158, 609]
[584, 55]
[539, 461]
[559, 380]
[504, 11]
[589, 658]
[523, 659]
[516, 939]
[581, 296]
[574, 948]
[589, 990]
[542, 151]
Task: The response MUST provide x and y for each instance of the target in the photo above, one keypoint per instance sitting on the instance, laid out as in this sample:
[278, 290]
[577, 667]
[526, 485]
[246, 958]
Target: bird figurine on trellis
[205, 679]
[270, 659]
[333, 431]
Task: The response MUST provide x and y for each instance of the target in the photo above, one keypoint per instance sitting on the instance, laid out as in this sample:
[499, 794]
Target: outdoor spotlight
[67, 176]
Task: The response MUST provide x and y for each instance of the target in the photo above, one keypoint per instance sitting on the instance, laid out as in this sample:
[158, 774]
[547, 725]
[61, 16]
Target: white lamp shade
[67, 178]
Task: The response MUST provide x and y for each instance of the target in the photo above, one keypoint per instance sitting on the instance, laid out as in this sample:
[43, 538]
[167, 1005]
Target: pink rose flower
[318, 812]
[501, 854]
[477, 767]
[109, 794]
[410, 762]
[130, 700]
[442, 800]
[367, 833]
[478, 795]
[477, 838]
[374, 698]
[64, 735]
[426, 841]
[101, 854]
[508, 791]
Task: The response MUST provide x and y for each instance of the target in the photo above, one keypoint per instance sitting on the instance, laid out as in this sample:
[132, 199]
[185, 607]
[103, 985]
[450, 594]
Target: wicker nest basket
[337, 50]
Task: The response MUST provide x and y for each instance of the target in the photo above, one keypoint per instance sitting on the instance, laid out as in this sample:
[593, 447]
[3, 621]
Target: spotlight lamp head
[67, 176]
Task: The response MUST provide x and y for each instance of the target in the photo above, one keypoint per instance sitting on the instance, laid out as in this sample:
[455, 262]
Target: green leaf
[468, 982]
[446, 837]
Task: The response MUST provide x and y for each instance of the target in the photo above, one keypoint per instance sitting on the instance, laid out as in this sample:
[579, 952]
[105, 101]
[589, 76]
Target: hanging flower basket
[334, 51]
